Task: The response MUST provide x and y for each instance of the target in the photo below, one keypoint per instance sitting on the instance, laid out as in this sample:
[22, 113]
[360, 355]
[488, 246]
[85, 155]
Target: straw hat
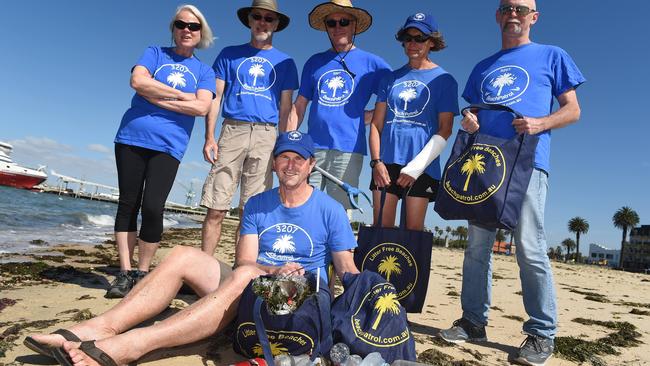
[318, 15]
[270, 5]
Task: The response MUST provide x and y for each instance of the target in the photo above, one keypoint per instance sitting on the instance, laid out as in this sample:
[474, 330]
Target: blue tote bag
[369, 318]
[401, 256]
[486, 177]
[308, 330]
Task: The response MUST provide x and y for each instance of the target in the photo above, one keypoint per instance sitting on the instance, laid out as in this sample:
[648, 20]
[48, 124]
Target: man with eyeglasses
[525, 76]
[338, 83]
[256, 83]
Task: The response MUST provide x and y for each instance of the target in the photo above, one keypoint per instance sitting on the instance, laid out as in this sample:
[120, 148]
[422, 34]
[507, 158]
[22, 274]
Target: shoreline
[55, 290]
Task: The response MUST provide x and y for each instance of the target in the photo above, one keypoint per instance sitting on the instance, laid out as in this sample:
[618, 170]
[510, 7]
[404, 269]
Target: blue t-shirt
[414, 98]
[255, 80]
[149, 126]
[338, 100]
[525, 78]
[306, 234]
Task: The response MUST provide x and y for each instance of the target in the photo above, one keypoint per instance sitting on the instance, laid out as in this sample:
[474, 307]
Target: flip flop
[46, 350]
[89, 349]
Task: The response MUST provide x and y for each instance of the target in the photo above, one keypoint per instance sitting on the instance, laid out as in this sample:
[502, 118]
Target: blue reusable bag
[401, 256]
[486, 177]
[308, 330]
[368, 318]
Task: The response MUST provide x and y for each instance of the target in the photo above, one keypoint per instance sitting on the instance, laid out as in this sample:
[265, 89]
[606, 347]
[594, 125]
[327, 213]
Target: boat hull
[20, 180]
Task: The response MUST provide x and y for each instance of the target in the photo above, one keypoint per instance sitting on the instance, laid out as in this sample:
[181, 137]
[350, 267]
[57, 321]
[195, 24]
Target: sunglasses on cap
[258, 17]
[518, 9]
[405, 38]
[179, 24]
[331, 23]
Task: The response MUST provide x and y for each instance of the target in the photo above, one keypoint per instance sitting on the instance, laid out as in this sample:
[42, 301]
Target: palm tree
[407, 95]
[255, 71]
[436, 229]
[387, 302]
[499, 238]
[462, 232]
[176, 79]
[388, 266]
[334, 83]
[569, 244]
[284, 244]
[503, 80]
[623, 219]
[579, 226]
[276, 349]
[472, 165]
[448, 231]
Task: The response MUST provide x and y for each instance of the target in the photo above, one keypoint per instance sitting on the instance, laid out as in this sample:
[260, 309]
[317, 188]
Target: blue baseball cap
[296, 141]
[423, 22]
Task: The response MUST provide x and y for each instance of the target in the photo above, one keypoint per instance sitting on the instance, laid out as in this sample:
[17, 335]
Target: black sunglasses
[518, 9]
[405, 38]
[259, 17]
[331, 23]
[179, 24]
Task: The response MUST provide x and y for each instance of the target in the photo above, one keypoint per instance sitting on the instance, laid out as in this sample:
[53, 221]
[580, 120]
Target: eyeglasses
[519, 10]
[331, 23]
[259, 17]
[179, 24]
[405, 38]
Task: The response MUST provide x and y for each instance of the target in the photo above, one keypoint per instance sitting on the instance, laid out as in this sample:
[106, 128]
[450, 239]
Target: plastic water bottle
[373, 359]
[290, 360]
[354, 360]
[339, 353]
[252, 361]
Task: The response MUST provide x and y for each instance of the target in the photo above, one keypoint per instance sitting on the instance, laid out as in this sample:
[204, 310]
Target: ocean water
[26, 216]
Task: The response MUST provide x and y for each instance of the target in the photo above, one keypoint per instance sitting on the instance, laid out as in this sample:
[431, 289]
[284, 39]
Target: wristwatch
[374, 162]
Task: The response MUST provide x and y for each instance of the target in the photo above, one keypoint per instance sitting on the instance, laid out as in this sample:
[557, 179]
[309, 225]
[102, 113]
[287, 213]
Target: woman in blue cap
[413, 118]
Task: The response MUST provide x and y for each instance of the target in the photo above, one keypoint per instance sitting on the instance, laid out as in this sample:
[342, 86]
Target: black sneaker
[535, 350]
[120, 286]
[137, 275]
[464, 331]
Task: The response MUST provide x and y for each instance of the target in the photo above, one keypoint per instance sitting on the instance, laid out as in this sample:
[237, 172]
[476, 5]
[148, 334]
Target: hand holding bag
[402, 256]
[486, 177]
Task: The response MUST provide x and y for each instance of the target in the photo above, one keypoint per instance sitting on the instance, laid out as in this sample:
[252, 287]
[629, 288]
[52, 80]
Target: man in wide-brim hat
[339, 82]
[256, 82]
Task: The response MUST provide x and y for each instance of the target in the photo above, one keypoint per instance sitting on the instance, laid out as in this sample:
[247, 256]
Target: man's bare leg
[211, 231]
[201, 319]
[150, 296]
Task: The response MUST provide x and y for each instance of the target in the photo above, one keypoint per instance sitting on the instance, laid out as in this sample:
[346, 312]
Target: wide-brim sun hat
[320, 12]
[270, 5]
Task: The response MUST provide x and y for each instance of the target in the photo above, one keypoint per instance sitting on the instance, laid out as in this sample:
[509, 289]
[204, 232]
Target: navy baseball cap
[296, 141]
[423, 22]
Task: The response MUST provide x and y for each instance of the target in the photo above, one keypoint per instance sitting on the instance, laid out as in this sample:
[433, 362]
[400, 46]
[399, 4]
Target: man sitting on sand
[322, 234]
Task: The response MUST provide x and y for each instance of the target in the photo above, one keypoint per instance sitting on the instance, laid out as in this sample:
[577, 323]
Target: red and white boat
[14, 175]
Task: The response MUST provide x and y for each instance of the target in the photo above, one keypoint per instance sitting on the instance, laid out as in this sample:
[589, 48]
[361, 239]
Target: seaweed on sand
[580, 350]
[593, 296]
[434, 357]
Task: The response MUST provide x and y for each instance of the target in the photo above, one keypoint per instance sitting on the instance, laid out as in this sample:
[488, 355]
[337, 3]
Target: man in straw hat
[256, 82]
[339, 83]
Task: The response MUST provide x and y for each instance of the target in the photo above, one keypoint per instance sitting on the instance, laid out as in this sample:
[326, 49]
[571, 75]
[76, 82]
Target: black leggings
[145, 178]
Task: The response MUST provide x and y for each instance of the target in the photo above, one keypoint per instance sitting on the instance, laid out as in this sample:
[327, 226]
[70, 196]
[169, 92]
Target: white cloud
[99, 148]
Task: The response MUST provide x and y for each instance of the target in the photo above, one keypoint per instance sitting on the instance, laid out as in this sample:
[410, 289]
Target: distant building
[636, 254]
[502, 247]
[603, 256]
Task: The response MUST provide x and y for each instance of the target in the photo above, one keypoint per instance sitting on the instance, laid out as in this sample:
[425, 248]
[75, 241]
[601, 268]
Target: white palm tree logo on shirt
[284, 244]
[256, 71]
[334, 83]
[502, 80]
[175, 79]
[407, 95]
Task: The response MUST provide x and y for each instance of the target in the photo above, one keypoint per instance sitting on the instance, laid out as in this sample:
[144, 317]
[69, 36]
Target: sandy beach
[604, 314]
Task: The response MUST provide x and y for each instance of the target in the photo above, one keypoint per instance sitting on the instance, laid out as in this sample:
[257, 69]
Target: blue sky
[66, 85]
